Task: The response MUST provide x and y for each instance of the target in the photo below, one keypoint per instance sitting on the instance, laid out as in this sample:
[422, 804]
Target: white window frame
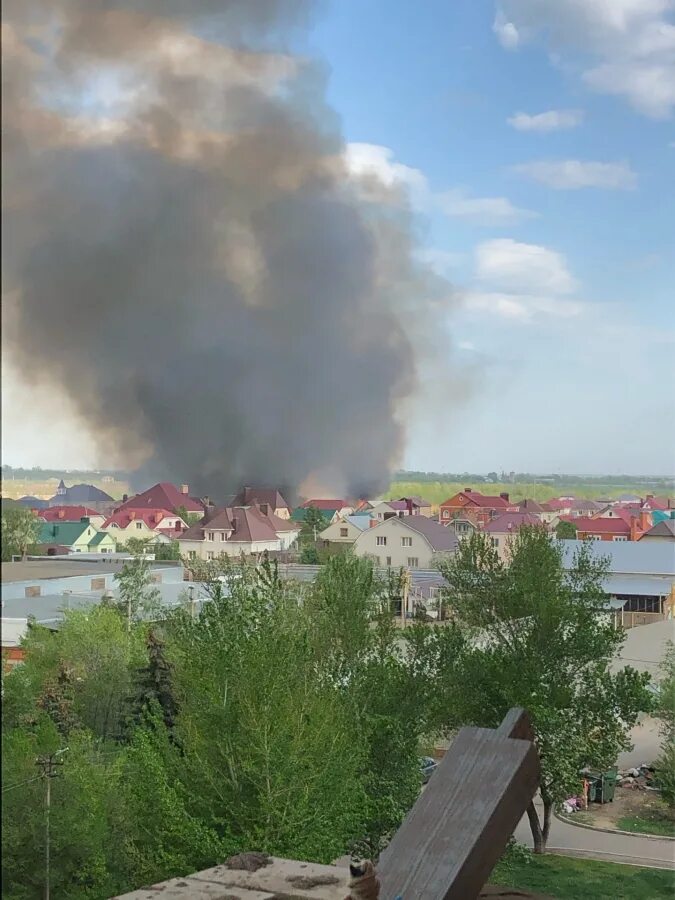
[381, 540]
[413, 562]
[406, 542]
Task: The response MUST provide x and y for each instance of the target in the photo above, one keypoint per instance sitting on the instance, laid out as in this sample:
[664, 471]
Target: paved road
[657, 852]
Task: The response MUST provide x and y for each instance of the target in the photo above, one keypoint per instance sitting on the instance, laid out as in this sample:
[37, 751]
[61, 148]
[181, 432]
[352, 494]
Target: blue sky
[536, 139]
[565, 309]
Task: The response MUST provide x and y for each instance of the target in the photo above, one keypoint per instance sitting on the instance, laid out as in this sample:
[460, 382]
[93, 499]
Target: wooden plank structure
[460, 825]
[445, 849]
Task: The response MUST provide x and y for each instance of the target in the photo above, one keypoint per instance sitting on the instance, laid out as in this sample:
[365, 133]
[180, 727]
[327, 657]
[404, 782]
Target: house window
[192, 554]
[212, 536]
[209, 554]
[413, 562]
[139, 525]
[406, 542]
[495, 542]
[446, 513]
[222, 535]
[381, 541]
[344, 532]
[619, 538]
[389, 560]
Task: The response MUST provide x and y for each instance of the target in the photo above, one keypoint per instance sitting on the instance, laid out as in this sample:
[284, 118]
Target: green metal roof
[65, 533]
[99, 538]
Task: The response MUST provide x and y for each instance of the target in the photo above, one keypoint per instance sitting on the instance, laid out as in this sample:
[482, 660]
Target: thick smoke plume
[186, 252]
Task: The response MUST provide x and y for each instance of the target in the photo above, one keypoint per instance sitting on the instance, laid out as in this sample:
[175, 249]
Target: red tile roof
[598, 526]
[482, 500]
[163, 495]
[66, 513]
[152, 517]
[325, 504]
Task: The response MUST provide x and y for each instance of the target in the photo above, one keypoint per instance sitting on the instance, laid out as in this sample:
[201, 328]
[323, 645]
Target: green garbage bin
[609, 779]
[593, 788]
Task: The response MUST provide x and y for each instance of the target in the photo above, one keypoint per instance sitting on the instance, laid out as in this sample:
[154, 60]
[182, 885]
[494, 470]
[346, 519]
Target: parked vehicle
[427, 767]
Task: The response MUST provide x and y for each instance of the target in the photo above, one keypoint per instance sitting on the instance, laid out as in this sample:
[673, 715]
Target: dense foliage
[20, 531]
[535, 635]
[262, 722]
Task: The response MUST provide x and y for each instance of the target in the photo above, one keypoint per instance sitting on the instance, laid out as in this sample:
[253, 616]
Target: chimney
[206, 500]
[504, 496]
[185, 489]
[265, 509]
[373, 523]
[132, 513]
[235, 523]
[62, 514]
[125, 497]
[409, 505]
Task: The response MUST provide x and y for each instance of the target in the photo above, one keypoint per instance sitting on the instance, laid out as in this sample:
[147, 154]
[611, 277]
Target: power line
[11, 787]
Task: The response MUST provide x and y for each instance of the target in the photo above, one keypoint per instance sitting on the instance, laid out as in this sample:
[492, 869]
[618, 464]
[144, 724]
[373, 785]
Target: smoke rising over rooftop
[187, 255]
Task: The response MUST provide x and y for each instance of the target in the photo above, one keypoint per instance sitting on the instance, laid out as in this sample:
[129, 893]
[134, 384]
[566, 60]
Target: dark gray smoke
[186, 254]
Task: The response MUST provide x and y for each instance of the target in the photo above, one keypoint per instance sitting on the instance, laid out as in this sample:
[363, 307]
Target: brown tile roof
[245, 524]
[163, 495]
[248, 496]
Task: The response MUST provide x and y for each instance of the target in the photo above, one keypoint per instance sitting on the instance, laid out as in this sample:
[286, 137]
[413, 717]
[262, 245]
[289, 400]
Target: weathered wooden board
[450, 841]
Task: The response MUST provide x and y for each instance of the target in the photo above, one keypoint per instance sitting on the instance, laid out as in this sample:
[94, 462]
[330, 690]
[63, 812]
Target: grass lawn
[566, 878]
[650, 822]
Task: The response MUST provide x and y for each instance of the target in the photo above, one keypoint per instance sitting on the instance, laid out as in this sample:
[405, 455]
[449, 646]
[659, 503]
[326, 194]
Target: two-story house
[237, 530]
[478, 508]
[144, 524]
[411, 541]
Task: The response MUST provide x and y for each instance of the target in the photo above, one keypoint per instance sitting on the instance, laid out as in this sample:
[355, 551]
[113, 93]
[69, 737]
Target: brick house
[475, 507]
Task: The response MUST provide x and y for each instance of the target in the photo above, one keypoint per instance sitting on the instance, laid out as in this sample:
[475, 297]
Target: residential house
[462, 527]
[412, 541]
[473, 505]
[71, 514]
[504, 527]
[263, 497]
[658, 503]
[664, 531]
[82, 494]
[33, 502]
[155, 525]
[611, 529]
[237, 530]
[387, 509]
[78, 537]
[346, 530]
[331, 510]
[164, 495]
[533, 508]
[417, 506]
[344, 507]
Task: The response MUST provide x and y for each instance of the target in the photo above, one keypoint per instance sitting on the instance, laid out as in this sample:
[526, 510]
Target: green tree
[155, 684]
[312, 525]
[565, 531]
[665, 704]
[20, 529]
[187, 517]
[138, 596]
[537, 635]
[170, 551]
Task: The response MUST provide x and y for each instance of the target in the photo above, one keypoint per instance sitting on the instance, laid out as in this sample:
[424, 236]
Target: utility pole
[49, 770]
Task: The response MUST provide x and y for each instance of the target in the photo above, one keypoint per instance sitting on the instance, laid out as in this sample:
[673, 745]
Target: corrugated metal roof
[630, 557]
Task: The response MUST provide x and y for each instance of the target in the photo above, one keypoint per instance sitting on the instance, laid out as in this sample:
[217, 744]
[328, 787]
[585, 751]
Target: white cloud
[482, 210]
[572, 174]
[522, 307]
[375, 161]
[623, 47]
[523, 267]
[466, 345]
[551, 120]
